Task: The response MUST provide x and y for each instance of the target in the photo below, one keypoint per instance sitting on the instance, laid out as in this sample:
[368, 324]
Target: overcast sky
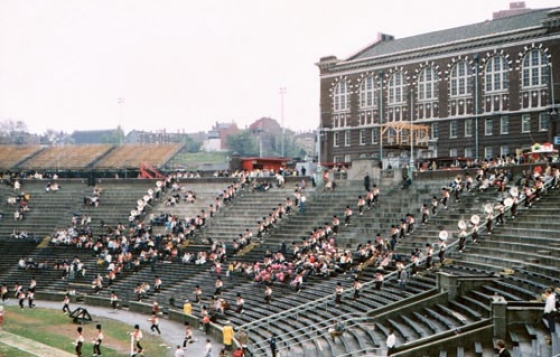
[185, 64]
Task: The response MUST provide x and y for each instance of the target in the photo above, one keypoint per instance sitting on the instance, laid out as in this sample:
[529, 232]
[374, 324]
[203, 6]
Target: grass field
[54, 329]
[7, 351]
[191, 161]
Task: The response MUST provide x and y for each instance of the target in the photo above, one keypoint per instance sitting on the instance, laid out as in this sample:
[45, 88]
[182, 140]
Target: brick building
[479, 91]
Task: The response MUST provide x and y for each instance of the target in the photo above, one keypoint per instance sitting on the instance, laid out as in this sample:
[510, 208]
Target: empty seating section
[11, 155]
[130, 156]
[66, 157]
[521, 245]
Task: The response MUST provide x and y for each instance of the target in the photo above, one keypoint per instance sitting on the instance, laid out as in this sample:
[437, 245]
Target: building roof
[489, 28]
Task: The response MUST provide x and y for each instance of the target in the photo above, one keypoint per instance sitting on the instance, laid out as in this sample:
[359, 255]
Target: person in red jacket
[238, 352]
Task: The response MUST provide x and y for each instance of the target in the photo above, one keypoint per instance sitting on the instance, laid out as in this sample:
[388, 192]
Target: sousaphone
[514, 191]
[462, 224]
[475, 219]
[443, 235]
[488, 208]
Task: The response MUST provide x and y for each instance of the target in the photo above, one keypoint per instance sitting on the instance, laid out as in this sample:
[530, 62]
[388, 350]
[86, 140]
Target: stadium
[191, 231]
[364, 257]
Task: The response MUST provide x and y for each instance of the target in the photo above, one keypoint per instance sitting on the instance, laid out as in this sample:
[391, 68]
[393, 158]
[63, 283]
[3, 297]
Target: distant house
[216, 139]
[161, 137]
[82, 137]
[267, 125]
[306, 142]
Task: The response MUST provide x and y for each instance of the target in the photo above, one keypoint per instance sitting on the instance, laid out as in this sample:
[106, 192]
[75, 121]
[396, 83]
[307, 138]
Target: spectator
[407, 181]
[391, 341]
[227, 331]
[273, 346]
[501, 349]
[550, 309]
[337, 330]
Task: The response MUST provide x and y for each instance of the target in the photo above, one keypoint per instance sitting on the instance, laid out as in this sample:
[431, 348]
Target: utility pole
[283, 91]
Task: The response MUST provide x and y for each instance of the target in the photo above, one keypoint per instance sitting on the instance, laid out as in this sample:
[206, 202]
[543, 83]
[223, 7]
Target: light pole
[476, 106]
[411, 163]
[260, 139]
[553, 111]
[283, 91]
[381, 119]
[121, 104]
[319, 169]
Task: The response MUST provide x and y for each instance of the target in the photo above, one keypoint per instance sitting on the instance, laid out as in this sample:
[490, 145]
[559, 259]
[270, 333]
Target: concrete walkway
[172, 332]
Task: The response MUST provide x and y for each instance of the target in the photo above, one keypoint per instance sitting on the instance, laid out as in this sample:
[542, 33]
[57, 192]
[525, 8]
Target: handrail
[310, 329]
[365, 287]
[310, 304]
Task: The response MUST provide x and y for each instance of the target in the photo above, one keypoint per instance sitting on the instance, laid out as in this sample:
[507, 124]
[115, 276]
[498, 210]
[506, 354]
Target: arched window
[341, 96]
[396, 88]
[427, 84]
[535, 69]
[460, 79]
[497, 76]
[368, 97]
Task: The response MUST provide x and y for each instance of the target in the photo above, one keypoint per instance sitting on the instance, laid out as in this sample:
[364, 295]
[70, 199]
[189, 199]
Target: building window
[427, 84]
[336, 139]
[368, 99]
[535, 69]
[453, 152]
[543, 121]
[362, 137]
[435, 131]
[374, 135]
[504, 125]
[468, 128]
[504, 151]
[496, 74]
[488, 152]
[468, 152]
[347, 158]
[488, 127]
[335, 159]
[460, 79]
[452, 129]
[391, 135]
[341, 96]
[396, 88]
[526, 123]
[404, 136]
[347, 138]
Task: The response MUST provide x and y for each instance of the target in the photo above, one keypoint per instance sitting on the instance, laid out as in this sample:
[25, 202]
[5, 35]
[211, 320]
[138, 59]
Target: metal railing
[323, 303]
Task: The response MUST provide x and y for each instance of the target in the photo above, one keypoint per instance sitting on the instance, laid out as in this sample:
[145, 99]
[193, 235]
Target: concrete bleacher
[11, 155]
[131, 155]
[66, 157]
[526, 243]
[48, 210]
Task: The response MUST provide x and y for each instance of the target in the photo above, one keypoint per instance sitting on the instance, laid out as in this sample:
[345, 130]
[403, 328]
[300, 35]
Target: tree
[10, 127]
[244, 143]
[116, 137]
[191, 145]
[53, 137]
